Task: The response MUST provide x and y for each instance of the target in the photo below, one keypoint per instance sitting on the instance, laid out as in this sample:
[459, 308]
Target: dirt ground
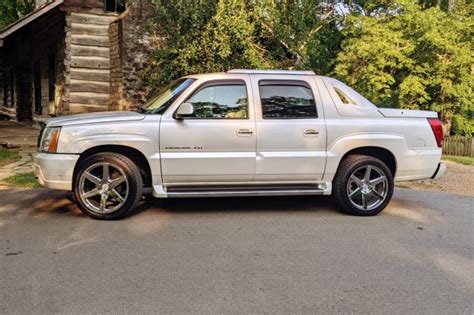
[459, 180]
[18, 135]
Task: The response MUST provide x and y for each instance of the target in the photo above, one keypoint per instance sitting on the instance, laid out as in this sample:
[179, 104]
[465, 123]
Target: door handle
[311, 132]
[244, 132]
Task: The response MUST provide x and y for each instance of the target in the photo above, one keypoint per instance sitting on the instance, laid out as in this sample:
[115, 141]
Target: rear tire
[363, 185]
[107, 186]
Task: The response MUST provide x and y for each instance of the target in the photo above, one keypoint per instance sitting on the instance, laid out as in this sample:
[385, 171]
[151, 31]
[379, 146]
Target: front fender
[141, 143]
[141, 136]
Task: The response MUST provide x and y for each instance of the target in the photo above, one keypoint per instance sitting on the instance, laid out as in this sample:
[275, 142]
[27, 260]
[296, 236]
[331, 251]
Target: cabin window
[37, 87]
[117, 6]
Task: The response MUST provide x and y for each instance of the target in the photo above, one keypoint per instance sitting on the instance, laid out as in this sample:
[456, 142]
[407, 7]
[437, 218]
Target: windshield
[159, 103]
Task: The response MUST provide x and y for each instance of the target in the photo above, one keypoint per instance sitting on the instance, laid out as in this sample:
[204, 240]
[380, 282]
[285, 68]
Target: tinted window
[348, 95]
[288, 100]
[344, 98]
[227, 101]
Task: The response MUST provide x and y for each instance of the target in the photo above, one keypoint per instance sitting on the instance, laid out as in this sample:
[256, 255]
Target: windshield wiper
[142, 110]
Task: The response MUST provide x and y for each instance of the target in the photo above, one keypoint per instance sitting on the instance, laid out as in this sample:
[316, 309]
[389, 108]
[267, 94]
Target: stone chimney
[39, 3]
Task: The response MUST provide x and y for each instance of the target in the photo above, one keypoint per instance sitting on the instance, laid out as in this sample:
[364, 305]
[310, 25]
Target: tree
[206, 36]
[216, 35]
[13, 10]
[416, 58]
[372, 57]
[413, 54]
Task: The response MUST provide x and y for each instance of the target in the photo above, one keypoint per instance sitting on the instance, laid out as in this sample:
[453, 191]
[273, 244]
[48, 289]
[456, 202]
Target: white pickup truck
[241, 133]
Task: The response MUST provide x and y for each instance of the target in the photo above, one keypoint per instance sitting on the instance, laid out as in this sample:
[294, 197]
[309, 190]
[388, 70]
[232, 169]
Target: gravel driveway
[231, 255]
[459, 180]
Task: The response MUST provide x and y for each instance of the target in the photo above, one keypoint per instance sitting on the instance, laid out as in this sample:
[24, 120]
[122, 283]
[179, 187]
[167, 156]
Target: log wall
[100, 58]
[87, 57]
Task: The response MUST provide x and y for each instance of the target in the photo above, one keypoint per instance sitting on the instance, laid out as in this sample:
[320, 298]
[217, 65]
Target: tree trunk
[451, 4]
[447, 122]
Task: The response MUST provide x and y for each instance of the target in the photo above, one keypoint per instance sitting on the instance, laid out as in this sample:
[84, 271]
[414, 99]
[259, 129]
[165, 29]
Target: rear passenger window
[287, 100]
[344, 98]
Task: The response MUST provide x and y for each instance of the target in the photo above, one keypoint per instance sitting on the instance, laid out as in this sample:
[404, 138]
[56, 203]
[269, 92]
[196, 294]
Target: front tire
[107, 186]
[363, 185]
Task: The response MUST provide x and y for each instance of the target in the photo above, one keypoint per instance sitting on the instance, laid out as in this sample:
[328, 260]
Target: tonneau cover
[406, 113]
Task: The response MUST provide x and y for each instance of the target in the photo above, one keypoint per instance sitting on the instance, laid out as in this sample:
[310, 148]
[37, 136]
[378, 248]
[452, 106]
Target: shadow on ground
[43, 202]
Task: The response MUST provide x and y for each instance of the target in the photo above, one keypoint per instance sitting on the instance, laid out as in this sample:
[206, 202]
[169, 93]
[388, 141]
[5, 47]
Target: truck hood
[406, 113]
[92, 118]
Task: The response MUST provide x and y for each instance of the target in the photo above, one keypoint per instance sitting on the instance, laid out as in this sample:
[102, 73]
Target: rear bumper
[55, 171]
[439, 171]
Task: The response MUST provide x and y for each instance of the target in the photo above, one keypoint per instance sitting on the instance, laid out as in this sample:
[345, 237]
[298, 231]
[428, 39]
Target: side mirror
[184, 110]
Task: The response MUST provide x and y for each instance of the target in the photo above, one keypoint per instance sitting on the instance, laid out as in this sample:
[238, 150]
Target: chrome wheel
[103, 187]
[367, 187]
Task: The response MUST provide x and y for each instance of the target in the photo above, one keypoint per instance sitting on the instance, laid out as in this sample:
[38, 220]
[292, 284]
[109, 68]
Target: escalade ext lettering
[241, 133]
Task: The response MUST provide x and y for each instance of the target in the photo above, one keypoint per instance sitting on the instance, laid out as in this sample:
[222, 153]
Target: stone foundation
[137, 48]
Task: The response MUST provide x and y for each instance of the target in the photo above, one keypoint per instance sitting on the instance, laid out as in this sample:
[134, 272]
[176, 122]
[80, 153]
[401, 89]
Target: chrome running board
[241, 191]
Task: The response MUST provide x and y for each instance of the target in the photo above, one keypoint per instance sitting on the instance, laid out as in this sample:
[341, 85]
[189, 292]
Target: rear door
[291, 131]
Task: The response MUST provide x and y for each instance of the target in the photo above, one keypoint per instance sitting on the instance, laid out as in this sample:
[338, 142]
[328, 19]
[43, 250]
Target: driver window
[227, 101]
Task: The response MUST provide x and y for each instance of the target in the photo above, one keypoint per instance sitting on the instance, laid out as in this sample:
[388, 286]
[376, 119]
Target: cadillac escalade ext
[241, 133]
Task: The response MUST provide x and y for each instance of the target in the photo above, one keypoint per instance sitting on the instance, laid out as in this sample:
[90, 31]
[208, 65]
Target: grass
[8, 156]
[465, 160]
[401, 185]
[26, 180]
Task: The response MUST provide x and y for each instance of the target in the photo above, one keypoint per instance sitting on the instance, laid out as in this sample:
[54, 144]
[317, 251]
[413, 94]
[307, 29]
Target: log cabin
[74, 56]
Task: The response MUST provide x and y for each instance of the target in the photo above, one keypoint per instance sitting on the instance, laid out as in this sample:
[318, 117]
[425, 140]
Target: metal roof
[286, 72]
[27, 19]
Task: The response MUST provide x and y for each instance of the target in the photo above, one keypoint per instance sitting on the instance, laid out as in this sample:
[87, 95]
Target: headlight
[49, 141]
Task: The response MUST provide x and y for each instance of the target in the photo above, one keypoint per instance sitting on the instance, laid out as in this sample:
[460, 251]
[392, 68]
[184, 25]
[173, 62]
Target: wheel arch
[380, 153]
[137, 157]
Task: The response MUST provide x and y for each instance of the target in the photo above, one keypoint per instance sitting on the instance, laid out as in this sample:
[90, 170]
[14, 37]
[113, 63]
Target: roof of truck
[238, 72]
[285, 72]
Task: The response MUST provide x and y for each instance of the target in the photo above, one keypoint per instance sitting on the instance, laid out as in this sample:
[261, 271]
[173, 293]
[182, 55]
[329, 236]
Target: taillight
[437, 130]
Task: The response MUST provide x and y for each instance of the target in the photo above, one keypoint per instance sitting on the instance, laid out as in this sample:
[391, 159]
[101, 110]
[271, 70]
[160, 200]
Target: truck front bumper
[439, 171]
[55, 171]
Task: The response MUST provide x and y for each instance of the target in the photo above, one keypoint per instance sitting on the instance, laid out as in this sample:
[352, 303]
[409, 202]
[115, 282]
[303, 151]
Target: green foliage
[465, 160]
[217, 35]
[12, 10]
[416, 59]
[205, 36]
[372, 55]
[463, 123]
[26, 180]
[414, 54]
[323, 48]
[8, 156]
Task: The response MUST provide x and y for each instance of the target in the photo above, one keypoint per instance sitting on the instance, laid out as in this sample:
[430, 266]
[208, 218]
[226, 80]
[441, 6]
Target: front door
[291, 132]
[216, 145]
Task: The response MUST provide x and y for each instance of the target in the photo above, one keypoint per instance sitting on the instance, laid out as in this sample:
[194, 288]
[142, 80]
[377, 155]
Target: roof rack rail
[287, 72]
